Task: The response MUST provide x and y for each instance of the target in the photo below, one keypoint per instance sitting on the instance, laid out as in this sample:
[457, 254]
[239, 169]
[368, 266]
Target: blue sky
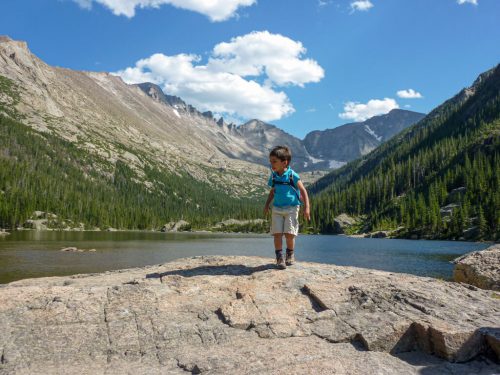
[302, 65]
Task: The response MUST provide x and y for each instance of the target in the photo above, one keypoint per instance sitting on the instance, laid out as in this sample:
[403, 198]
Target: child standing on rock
[288, 194]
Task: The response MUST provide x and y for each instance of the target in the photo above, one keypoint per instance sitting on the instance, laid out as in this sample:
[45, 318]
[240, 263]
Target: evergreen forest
[42, 172]
[438, 179]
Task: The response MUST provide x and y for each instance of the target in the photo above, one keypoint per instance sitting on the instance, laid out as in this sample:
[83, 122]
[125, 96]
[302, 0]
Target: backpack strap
[290, 183]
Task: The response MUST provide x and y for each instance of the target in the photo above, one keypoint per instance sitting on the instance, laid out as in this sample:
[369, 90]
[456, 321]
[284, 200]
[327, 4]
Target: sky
[301, 65]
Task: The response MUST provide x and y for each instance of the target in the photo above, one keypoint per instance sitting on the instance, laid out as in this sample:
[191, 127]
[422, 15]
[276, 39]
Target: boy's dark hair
[281, 152]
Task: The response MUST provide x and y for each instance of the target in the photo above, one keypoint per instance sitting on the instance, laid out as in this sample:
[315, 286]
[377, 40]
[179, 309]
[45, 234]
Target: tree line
[451, 158]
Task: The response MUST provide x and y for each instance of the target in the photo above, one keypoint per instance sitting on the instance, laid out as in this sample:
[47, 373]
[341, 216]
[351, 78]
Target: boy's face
[278, 165]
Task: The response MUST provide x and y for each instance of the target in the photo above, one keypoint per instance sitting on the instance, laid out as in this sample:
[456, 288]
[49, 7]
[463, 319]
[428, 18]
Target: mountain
[102, 114]
[331, 148]
[90, 148]
[439, 178]
[351, 141]
[105, 143]
[264, 137]
[320, 150]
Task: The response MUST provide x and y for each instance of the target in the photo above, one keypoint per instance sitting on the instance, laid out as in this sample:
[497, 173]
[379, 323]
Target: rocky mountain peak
[16, 50]
[153, 90]
[468, 92]
[4, 39]
[484, 76]
[254, 125]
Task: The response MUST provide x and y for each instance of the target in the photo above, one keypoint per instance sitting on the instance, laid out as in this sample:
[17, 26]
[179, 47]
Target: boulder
[456, 194]
[342, 222]
[471, 233]
[176, 226]
[447, 210]
[224, 315]
[379, 234]
[36, 224]
[479, 268]
[72, 249]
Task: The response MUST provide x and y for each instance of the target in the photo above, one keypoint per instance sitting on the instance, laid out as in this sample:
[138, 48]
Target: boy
[287, 191]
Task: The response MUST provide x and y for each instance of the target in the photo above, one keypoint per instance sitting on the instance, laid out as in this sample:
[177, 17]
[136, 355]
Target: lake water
[28, 254]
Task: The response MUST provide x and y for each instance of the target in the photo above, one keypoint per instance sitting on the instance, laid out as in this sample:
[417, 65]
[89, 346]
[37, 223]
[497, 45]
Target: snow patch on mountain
[335, 164]
[371, 132]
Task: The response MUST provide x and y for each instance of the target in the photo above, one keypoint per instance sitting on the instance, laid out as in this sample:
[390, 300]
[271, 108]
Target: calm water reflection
[35, 254]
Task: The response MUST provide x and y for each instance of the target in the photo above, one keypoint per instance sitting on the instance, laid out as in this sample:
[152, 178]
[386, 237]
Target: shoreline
[5, 233]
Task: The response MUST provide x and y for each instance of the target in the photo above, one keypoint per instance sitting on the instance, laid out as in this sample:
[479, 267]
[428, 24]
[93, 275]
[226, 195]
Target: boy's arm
[269, 200]
[303, 194]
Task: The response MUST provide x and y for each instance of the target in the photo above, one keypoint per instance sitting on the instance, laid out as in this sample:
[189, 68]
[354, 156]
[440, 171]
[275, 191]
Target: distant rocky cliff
[351, 141]
[241, 315]
[320, 149]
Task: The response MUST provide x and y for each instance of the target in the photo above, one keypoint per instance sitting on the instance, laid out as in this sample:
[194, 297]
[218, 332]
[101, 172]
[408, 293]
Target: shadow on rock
[231, 270]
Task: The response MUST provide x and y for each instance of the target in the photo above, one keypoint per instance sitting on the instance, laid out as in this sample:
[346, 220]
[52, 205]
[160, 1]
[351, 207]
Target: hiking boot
[280, 262]
[290, 258]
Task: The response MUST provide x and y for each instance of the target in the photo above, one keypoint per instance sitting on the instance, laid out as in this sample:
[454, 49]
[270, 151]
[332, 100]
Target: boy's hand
[307, 214]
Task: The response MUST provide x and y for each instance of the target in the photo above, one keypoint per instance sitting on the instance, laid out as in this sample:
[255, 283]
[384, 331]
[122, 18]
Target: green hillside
[40, 171]
[451, 157]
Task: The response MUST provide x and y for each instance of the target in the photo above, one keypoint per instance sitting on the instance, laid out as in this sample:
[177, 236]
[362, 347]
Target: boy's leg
[291, 231]
[278, 249]
[278, 243]
[277, 230]
[290, 241]
[290, 246]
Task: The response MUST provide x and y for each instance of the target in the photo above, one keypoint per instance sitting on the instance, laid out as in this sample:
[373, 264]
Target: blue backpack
[290, 183]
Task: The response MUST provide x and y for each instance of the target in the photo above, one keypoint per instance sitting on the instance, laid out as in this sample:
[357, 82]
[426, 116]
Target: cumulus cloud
[473, 2]
[276, 56]
[85, 4]
[409, 94]
[216, 10]
[223, 85]
[360, 112]
[362, 5]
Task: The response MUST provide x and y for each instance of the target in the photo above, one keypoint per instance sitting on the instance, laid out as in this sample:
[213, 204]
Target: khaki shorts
[285, 220]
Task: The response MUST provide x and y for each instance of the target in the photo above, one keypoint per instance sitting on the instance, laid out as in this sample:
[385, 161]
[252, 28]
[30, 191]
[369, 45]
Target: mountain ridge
[338, 145]
[436, 179]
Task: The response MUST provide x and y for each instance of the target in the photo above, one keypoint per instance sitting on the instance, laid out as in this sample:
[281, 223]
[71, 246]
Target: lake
[27, 254]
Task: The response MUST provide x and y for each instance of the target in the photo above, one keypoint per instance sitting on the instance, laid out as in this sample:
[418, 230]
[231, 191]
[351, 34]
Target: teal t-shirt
[285, 195]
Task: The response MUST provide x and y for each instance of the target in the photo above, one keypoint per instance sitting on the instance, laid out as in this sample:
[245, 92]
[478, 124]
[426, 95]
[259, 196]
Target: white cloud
[360, 112]
[409, 94]
[473, 2]
[362, 5]
[278, 57]
[311, 110]
[85, 4]
[216, 10]
[221, 86]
